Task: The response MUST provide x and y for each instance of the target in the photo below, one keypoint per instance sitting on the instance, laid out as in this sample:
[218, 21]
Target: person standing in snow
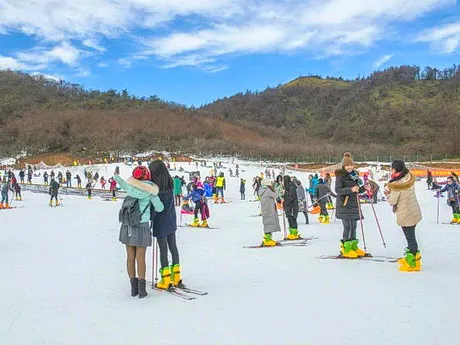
[270, 218]
[347, 186]
[89, 188]
[113, 187]
[453, 198]
[68, 179]
[138, 237]
[220, 187]
[29, 176]
[400, 191]
[243, 189]
[322, 194]
[45, 178]
[177, 190]
[17, 191]
[165, 226]
[429, 179]
[54, 191]
[301, 196]
[78, 178]
[291, 207]
[197, 195]
[5, 188]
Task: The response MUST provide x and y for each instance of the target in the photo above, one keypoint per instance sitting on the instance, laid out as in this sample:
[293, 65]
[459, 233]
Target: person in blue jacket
[197, 196]
[138, 237]
[453, 198]
[165, 226]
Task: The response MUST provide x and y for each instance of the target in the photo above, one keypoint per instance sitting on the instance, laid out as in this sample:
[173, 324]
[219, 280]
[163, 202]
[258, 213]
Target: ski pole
[378, 225]
[284, 225]
[155, 263]
[361, 221]
[437, 216]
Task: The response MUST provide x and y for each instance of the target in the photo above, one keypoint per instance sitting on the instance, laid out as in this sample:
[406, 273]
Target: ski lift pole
[154, 263]
[361, 221]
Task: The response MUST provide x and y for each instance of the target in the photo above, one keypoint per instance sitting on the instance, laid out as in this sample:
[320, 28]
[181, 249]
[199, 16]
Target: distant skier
[243, 189]
[429, 179]
[177, 190]
[198, 198]
[5, 188]
[220, 187]
[29, 176]
[60, 177]
[45, 178]
[68, 179]
[78, 178]
[322, 192]
[113, 188]
[17, 191]
[89, 188]
[54, 192]
[22, 174]
[102, 182]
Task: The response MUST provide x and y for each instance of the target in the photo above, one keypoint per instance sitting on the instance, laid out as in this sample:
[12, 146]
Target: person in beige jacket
[401, 195]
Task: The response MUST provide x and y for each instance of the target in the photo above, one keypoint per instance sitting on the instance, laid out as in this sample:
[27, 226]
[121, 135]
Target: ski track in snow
[64, 279]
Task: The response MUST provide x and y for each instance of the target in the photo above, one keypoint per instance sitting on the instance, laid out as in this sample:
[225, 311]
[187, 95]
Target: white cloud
[444, 38]
[10, 63]
[213, 28]
[103, 64]
[64, 53]
[92, 43]
[384, 59]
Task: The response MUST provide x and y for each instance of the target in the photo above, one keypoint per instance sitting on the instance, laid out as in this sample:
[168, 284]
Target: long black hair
[286, 181]
[160, 175]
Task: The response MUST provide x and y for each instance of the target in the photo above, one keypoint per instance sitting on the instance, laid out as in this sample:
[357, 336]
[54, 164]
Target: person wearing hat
[138, 237]
[291, 207]
[401, 195]
[347, 187]
[453, 197]
[270, 218]
[243, 189]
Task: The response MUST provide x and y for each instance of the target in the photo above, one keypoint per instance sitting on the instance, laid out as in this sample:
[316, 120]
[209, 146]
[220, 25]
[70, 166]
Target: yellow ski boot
[57, 203]
[268, 241]
[293, 234]
[204, 224]
[175, 275]
[321, 218]
[410, 262]
[165, 282]
[346, 251]
[51, 203]
[196, 223]
[355, 248]
[326, 220]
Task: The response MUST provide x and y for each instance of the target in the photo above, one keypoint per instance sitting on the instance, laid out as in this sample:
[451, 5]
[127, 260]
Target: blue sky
[195, 51]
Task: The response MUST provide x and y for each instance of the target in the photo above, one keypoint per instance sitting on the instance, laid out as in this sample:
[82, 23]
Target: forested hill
[405, 109]
[399, 111]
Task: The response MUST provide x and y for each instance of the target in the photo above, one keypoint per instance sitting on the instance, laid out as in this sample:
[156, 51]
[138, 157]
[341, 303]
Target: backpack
[129, 213]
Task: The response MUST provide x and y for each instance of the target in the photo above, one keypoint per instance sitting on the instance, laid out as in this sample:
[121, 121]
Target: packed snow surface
[64, 279]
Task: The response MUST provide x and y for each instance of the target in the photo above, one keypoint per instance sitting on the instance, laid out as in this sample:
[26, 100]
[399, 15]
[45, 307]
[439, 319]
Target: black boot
[306, 218]
[141, 287]
[134, 289]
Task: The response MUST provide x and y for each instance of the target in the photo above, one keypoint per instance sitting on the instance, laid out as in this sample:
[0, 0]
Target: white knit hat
[266, 182]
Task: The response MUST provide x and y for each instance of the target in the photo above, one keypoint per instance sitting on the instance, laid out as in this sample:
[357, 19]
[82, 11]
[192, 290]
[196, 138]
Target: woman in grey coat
[270, 218]
[301, 196]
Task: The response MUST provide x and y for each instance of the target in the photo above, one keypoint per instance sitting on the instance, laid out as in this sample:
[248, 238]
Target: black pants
[292, 220]
[455, 208]
[306, 217]
[323, 207]
[55, 196]
[349, 229]
[243, 196]
[197, 208]
[177, 199]
[89, 193]
[114, 193]
[409, 232]
[168, 242]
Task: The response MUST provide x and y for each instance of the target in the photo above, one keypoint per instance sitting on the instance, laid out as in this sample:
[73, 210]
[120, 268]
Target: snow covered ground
[64, 280]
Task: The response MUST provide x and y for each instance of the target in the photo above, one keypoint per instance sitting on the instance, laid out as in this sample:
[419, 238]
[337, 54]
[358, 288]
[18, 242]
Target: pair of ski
[450, 223]
[198, 227]
[11, 208]
[367, 257]
[182, 291]
[301, 242]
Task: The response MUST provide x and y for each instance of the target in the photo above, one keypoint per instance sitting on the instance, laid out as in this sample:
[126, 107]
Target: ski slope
[64, 280]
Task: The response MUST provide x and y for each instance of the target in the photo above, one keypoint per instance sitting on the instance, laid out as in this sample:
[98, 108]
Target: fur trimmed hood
[148, 186]
[404, 183]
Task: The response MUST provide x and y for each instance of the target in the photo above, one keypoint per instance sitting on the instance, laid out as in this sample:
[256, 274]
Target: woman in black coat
[164, 226]
[291, 207]
[347, 186]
